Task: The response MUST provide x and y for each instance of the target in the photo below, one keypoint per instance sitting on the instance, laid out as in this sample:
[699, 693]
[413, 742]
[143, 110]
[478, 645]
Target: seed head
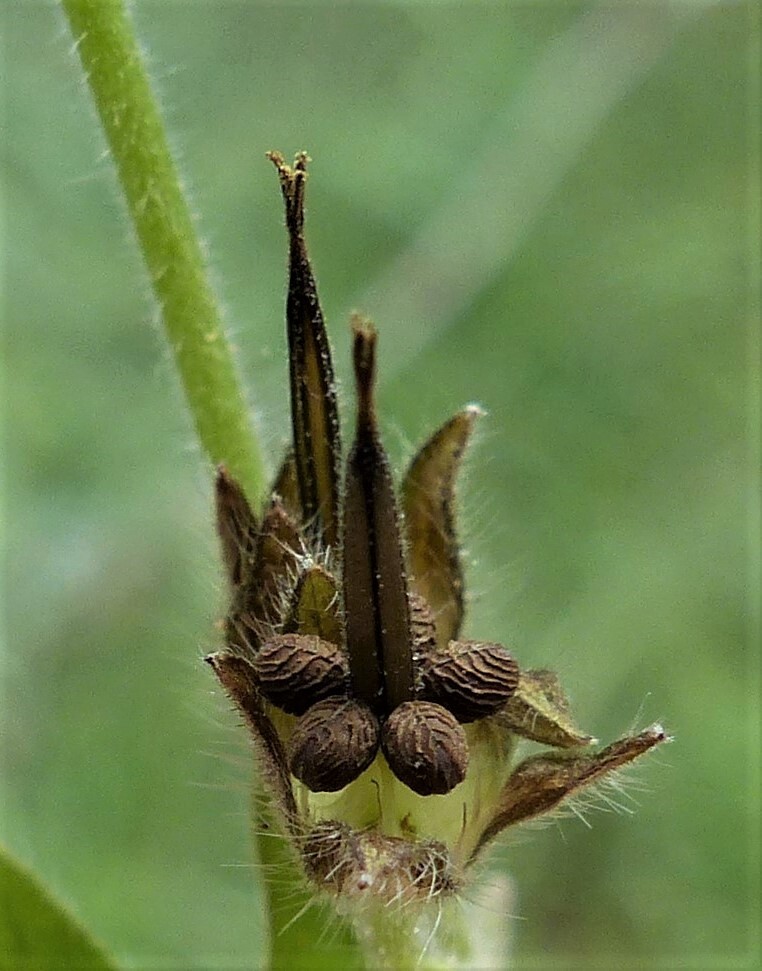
[343, 649]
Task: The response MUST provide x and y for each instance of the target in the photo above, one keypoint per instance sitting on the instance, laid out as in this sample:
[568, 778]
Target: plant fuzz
[385, 741]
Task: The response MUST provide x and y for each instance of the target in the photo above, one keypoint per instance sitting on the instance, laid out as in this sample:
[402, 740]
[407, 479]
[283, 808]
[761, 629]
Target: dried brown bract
[385, 741]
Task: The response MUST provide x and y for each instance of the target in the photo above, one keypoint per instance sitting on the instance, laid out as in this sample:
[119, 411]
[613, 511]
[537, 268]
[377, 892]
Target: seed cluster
[338, 736]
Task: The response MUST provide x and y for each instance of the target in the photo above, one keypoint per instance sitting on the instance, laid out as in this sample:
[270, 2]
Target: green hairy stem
[128, 110]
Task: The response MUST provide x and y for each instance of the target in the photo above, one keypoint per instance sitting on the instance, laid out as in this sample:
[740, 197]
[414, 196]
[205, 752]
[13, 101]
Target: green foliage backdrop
[546, 208]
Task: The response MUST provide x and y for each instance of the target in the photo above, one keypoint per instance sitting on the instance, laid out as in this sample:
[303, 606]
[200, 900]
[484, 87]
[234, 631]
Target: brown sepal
[236, 527]
[286, 487]
[428, 499]
[237, 677]
[539, 710]
[260, 603]
[540, 783]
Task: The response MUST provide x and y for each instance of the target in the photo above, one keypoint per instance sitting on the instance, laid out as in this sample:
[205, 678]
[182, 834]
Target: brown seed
[333, 743]
[295, 671]
[425, 747]
[470, 679]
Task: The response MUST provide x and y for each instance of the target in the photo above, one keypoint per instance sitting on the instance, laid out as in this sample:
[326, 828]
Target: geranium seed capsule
[353, 623]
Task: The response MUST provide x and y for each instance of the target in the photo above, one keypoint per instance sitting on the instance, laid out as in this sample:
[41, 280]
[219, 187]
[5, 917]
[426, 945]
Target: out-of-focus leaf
[35, 930]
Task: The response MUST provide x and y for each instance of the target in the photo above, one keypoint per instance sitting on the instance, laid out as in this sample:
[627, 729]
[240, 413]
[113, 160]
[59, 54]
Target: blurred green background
[546, 208]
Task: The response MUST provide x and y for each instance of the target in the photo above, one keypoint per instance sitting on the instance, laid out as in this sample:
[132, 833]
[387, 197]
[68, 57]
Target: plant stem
[132, 122]
[390, 939]
[411, 939]
[456, 934]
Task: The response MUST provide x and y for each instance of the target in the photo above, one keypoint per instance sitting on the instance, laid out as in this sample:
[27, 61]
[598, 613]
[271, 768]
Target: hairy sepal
[428, 503]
